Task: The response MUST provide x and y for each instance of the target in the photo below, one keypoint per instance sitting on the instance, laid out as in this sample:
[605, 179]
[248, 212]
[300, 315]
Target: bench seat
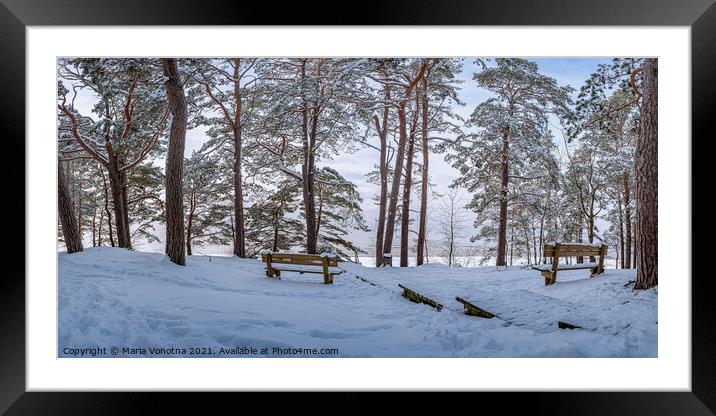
[299, 268]
[576, 266]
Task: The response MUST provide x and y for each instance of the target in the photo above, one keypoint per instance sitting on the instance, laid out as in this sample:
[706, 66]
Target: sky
[354, 166]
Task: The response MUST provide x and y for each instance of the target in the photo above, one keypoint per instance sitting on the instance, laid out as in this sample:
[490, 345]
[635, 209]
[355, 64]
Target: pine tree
[511, 134]
[272, 221]
[131, 114]
[222, 87]
[339, 213]
[207, 196]
[311, 109]
[512, 123]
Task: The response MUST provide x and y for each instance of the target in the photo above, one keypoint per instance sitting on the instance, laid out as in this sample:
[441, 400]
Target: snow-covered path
[111, 297]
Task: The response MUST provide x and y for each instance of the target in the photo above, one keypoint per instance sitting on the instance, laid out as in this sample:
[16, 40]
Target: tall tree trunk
[590, 233]
[115, 184]
[405, 217]
[627, 218]
[188, 241]
[118, 191]
[646, 179]
[240, 240]
[534, 244]
[307, 170]
[274, 246]
[309, 199]
[424, 179]
[502, 230]
[400, 154]
[541, 229]
[580, 221]
[125, 202]
[99, 228]
[451, 248]
[79, 206]
[68, 222]
[383, 201]
[407, 187]
[395, 188]
[512, 243]
[621, 231]
[320, 210]
[634, 243]
[94, 222]
[190, 220]
[527, 246]
[175, 162]
[109, 213]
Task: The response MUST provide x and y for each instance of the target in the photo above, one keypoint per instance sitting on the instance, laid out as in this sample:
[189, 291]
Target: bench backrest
[300, 259]
[574, 250]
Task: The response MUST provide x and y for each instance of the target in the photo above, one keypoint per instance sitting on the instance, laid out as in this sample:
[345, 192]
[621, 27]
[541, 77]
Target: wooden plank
[473, 310]
[303, 268]
[365, 280]
[562, 266]
[303, 259]
[565, 325]
[571, 253]
[574, 246]
[418, 298]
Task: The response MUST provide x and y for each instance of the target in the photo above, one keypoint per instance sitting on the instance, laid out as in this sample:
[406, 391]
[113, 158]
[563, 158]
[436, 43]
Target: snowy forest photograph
[336, 207]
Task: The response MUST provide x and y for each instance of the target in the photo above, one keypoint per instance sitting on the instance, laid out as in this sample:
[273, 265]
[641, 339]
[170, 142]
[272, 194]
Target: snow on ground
[111, 297]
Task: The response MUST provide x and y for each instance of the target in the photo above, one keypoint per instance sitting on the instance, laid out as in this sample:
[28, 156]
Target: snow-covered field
[111, 297]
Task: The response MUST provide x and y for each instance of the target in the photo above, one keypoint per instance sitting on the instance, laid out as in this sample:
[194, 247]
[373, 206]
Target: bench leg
[548, 278]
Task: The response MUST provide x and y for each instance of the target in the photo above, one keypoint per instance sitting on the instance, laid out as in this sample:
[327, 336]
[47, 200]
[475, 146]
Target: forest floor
[115, 297]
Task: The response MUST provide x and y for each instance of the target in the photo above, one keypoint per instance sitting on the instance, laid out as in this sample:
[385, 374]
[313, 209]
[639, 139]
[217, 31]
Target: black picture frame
[15, 15]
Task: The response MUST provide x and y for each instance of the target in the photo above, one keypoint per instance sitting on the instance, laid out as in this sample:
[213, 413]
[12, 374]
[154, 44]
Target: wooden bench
[557, 250]
[325, 264]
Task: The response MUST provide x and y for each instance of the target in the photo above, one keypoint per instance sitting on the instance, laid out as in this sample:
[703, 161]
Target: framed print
[472, 197]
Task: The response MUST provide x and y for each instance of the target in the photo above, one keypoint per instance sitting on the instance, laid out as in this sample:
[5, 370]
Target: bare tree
[450, 223]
